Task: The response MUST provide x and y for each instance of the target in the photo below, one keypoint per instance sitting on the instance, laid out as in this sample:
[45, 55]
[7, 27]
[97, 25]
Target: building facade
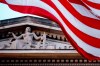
[32, 41]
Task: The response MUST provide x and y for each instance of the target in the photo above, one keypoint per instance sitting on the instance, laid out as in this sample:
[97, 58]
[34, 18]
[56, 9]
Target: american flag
[78, 19]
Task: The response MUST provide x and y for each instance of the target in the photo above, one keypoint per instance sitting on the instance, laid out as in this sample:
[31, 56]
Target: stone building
[32, 41]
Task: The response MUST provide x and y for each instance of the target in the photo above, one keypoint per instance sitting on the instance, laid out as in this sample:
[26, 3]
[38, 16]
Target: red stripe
[33, 10]
[94, 5]
[3, 1]
[86, 38]
[79, 2]
[86, 20]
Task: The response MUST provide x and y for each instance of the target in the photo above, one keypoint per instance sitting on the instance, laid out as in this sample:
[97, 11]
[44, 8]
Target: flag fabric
[78, 19]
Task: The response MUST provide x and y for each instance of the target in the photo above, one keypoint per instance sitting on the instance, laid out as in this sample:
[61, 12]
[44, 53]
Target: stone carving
[4, 45]
[27, 41]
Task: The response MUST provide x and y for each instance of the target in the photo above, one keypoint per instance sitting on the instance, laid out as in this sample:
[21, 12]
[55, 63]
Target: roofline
[30, 24]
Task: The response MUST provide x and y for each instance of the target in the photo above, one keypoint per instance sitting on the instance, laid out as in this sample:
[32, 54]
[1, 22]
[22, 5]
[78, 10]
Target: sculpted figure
[43, 38]
[41, 43]
[4, 45]
[17, 44]
[28, 36]
[27, 39]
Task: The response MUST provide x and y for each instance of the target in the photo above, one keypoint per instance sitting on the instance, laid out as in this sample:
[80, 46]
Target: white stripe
[23, 2]
[36, 3]
[89, 49]
[95, 1]
[83, 11]
[94, 10]
[75, 22]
